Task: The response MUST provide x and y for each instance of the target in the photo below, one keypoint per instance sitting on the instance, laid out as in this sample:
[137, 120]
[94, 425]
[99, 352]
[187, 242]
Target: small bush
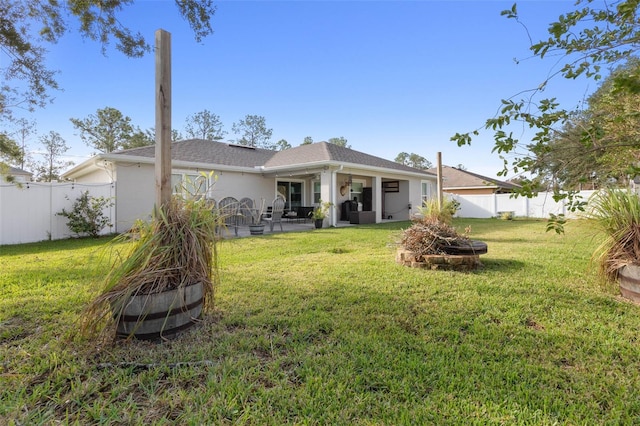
[87, 217]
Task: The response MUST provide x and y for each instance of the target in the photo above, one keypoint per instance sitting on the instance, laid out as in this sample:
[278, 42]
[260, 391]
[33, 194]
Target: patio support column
[331, 186]
[377, 198]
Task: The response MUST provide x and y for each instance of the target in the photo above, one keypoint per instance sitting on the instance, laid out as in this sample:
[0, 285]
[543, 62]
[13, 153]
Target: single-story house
[463, 182]
[352, 181]
[15, 175]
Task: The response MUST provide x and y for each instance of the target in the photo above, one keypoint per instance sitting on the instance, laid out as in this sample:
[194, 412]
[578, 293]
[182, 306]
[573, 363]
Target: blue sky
[390, 76]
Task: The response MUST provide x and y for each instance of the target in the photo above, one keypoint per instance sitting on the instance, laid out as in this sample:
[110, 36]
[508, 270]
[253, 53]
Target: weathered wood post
[439, 176]
[163, 118]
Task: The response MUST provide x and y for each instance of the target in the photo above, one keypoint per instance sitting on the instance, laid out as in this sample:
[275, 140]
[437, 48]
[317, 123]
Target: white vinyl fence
[28, 213]
[491, 205]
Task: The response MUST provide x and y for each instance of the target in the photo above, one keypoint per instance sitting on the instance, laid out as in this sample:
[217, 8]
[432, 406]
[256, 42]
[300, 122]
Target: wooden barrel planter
[256, 229]
[629, 282]
[161, 315]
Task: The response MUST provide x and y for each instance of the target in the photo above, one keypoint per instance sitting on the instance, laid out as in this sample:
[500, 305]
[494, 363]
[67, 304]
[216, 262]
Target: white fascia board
[91, 163]
[181, 164]
[336, 165]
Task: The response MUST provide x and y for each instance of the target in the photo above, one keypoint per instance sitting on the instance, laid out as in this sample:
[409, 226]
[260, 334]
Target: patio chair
[276, 213]
[246, 205]
[228, 208]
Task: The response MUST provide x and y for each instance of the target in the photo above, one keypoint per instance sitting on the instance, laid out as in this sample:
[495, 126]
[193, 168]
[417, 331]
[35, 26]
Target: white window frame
[358, 194]
[426, 195]
[179, 176]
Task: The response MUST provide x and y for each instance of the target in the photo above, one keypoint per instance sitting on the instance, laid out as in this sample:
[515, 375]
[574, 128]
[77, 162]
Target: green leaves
[87, 215]
[556, 223]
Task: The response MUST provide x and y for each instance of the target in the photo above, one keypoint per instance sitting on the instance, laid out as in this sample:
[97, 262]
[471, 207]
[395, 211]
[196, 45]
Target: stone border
[434, 261]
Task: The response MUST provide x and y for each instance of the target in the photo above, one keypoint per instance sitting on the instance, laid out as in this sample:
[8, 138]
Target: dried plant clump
[428, 236]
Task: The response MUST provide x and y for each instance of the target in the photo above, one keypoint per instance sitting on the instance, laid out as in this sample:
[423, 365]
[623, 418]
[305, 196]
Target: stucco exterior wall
[135, 194]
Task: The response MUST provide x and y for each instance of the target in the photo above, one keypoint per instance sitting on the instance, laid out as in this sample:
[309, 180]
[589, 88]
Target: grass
[323, 327]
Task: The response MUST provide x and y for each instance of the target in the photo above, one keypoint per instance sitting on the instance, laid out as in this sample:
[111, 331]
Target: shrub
[87, 216]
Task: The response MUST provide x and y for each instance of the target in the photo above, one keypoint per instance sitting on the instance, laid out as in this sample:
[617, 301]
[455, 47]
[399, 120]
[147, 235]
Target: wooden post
[439, 175]
[163, 118]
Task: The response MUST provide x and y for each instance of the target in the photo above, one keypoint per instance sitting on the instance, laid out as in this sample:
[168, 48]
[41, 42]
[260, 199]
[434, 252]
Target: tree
[27, 26]
[140, 138]
[253, 131]
[106, 131]
[594, 35]
[204, 125]
[341, 141]
[26, 128]
[282, 144]
[308, 140]
[598, 145]
[52, 166]
[175, 135]
[9, 150]
[413, 160]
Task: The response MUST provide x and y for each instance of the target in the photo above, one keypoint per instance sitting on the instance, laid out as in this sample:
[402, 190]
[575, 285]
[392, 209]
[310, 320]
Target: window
[356, 190]
[316, 192]
[426, 191]
[188, 183]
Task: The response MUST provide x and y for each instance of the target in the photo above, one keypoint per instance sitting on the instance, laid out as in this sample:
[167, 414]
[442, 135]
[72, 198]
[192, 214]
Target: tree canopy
[109, 130]
[204, 125]
[589, 41]
[252, 131]
[53, 163]
[282, 144]
[600, 144]
[341, 141]
[27, 26]
[413, 160]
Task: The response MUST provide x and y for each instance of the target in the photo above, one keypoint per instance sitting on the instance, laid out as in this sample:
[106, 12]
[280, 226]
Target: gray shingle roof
[329, 152]
[220, 153]
[203, 151]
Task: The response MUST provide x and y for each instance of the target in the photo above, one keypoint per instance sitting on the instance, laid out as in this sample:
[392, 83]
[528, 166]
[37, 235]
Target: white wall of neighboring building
[135, 194]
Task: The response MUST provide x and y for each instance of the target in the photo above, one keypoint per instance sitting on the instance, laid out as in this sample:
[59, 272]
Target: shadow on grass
[57, 245]
[505, 265]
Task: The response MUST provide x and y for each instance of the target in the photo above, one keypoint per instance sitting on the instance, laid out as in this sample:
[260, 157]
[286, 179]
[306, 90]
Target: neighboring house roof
[454, 178]
[218, 155]
[14, 171]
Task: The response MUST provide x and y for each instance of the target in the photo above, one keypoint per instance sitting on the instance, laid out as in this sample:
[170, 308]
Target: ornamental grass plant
[178, 247]
[617, 213]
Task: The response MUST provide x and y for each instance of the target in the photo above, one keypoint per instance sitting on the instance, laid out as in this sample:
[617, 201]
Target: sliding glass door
[292, 193]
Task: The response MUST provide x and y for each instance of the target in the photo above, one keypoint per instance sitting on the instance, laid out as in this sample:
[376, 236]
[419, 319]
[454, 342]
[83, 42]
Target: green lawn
[323, 327]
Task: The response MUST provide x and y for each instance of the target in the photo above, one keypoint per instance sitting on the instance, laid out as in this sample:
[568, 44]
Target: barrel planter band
[161, 315]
